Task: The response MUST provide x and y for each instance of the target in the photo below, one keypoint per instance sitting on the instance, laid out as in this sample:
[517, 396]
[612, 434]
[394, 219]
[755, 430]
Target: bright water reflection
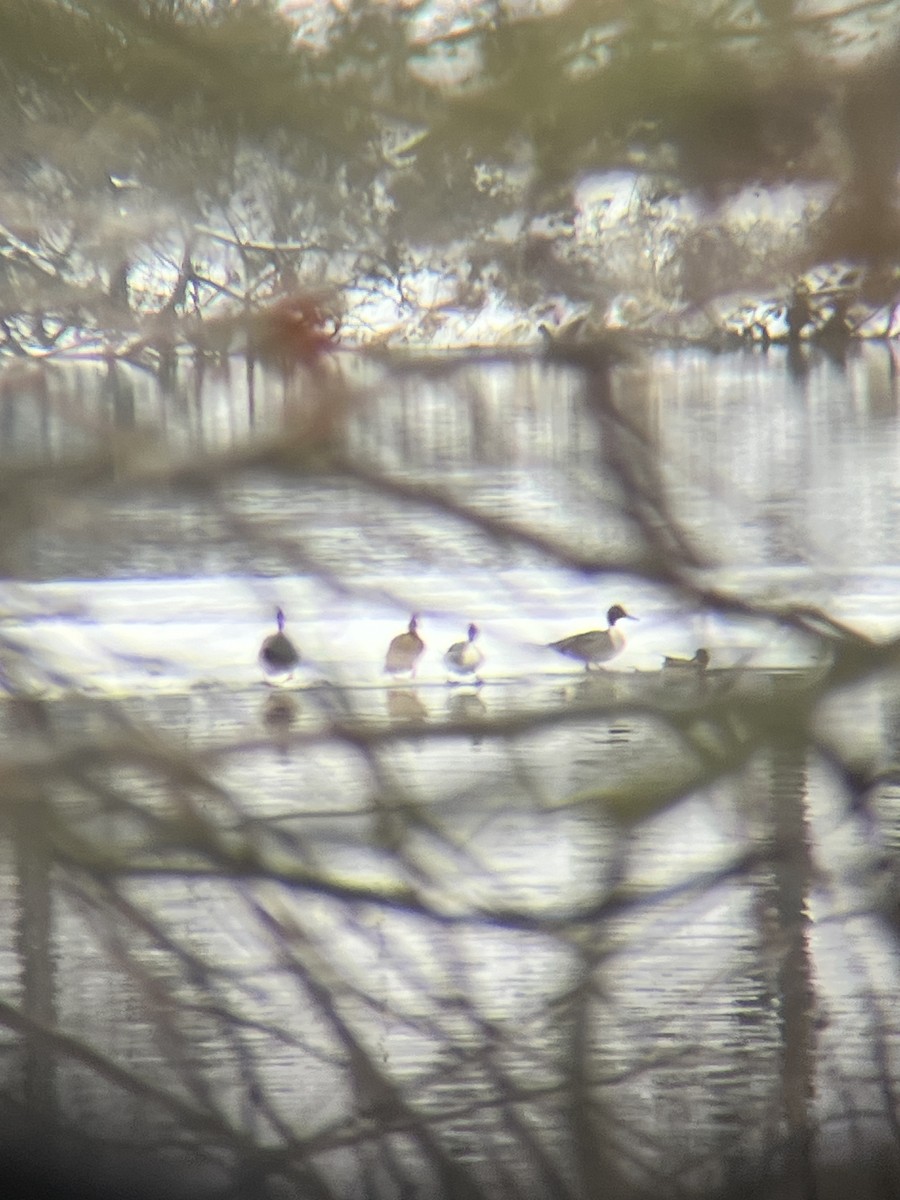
[416, 932]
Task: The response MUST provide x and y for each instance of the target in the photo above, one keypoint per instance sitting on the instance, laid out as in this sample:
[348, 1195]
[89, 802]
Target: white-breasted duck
[596, 645]
[464, 658]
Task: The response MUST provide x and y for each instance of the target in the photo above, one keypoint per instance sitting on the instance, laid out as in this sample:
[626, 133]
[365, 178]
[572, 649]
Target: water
[487, 938]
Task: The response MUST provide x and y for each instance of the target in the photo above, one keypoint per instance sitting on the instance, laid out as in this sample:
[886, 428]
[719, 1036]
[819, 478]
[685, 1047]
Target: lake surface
[339, 935]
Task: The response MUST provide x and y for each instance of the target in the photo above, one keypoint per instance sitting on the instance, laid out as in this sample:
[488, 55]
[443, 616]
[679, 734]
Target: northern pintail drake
[278, 654]
[596, 645]
[698, 663]
[464, 658]
[405, 651]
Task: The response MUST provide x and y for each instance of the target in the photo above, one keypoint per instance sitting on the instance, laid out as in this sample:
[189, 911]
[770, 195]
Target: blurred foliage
[159, 157]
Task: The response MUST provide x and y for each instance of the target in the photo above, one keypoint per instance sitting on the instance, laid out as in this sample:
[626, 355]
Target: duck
[405, 651]
[698, 663]
[596, 645]
[278, 654]
[464, 658]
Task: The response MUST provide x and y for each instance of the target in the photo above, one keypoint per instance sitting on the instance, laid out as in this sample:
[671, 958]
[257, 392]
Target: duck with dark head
[464, 658]
[596, 646]
[278, 654]
[697, 664]
[405, 650]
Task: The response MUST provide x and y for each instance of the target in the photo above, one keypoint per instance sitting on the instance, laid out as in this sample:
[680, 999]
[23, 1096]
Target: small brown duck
[464, 658]
[405, 651]
[278, 654]
[596, 645]
[698, 663]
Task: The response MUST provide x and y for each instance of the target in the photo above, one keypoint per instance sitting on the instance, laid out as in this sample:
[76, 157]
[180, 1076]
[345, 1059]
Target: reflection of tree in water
[430, 937]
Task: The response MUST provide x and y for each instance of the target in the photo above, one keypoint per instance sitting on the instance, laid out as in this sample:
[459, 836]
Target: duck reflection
[592, 688]
[465, 706]
[404, 704]
[280, 711]
[279, 714]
